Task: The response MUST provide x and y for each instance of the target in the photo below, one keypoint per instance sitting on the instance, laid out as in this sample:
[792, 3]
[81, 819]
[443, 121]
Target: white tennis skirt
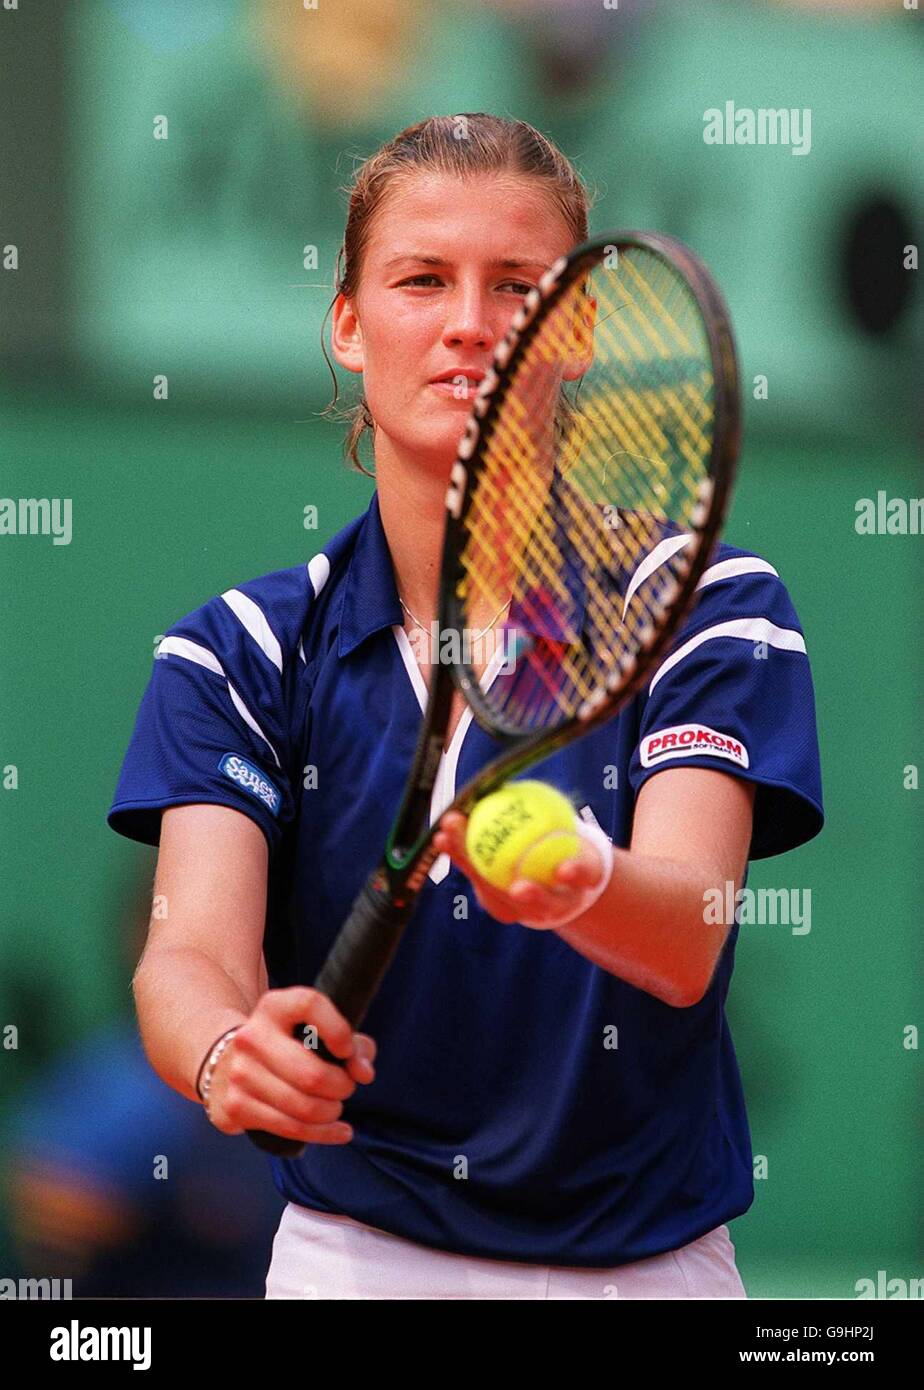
[318, 1255]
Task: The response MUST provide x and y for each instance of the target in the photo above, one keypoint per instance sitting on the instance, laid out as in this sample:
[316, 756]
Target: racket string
[574, 494]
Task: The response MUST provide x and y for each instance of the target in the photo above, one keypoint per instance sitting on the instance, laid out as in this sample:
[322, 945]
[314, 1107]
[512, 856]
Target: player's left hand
[530, 903]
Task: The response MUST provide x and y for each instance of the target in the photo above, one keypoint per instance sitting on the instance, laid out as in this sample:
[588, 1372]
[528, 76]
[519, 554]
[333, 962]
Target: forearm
[184, 1001]
[649, 927]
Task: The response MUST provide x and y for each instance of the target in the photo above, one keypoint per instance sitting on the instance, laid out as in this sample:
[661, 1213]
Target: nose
[468, 322]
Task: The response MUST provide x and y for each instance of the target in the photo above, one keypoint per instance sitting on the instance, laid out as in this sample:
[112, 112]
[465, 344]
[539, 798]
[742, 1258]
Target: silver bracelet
[204, 1080]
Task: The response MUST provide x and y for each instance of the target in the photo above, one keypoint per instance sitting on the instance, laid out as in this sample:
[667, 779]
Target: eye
[520, 287]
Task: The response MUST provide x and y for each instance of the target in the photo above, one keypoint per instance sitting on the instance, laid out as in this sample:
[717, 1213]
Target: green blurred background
[186, 257]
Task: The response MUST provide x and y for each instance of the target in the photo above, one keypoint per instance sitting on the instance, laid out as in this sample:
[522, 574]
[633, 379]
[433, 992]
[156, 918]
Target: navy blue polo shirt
[527, 1105]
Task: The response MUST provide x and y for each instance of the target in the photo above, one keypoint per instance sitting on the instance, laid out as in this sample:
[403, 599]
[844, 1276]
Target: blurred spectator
[345, 58]
[117, 1182]
[573, 42]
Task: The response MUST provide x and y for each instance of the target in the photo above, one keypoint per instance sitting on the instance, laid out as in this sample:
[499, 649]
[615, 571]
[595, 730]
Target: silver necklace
[475, 637]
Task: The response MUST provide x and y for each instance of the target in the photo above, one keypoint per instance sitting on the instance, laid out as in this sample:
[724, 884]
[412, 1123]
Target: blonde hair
[474, 143]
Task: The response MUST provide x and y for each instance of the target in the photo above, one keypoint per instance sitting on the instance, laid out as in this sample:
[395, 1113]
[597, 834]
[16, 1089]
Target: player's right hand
[266, 1079]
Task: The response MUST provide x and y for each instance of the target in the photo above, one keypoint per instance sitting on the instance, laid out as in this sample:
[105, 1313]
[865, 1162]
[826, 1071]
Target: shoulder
[269, 619]
[733, 572]
[743, 595]
[741, 607]
[734, 692]
[221, 718]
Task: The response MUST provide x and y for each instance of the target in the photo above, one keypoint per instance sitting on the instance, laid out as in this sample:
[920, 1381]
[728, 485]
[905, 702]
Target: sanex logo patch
[251, 779]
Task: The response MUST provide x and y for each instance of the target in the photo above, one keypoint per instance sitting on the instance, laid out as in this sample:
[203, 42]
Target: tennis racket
[590, 484]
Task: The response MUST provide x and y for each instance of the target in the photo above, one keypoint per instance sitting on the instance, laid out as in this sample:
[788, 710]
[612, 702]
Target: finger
[535, 900]
[492, 900]
[587, 870]
[584, 868]
[273, 1121]
[361, 1070]
[453, 843]
[496, 901]
[328, 1078]
[300, 1004]
[250, 1087]
[582, 871]
[458, 857]
[455, 825]
[501, 905]
[360, 1066]
[454, 821]
[290, 1061]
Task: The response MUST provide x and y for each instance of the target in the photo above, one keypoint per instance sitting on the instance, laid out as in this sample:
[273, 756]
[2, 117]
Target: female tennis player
[533, 1110]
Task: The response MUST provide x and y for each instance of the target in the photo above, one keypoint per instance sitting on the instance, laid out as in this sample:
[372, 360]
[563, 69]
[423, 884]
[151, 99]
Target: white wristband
[592, 834]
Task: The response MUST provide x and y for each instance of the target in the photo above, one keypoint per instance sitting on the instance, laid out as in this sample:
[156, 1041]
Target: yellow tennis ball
[524, 830]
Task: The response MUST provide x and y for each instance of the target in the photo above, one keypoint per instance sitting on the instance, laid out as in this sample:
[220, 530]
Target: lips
[473, 375]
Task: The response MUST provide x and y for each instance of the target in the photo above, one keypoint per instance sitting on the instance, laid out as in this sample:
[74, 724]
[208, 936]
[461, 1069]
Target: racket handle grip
[350, 976]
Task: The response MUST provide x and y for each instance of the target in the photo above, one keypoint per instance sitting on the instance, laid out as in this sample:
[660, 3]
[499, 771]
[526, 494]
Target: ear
[346, 336]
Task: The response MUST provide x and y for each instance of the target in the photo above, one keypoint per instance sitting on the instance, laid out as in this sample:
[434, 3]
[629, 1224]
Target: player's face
[447, 264]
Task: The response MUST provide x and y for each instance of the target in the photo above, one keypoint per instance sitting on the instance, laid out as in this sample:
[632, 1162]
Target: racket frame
[406, 864]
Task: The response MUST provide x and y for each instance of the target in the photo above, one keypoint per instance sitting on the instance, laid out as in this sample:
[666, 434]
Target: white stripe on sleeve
[318, 571]
[190, 651]
[193, 651]
[662, 551]
[248, 719]
[746, 629]
[730, 569]
[253, 618]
